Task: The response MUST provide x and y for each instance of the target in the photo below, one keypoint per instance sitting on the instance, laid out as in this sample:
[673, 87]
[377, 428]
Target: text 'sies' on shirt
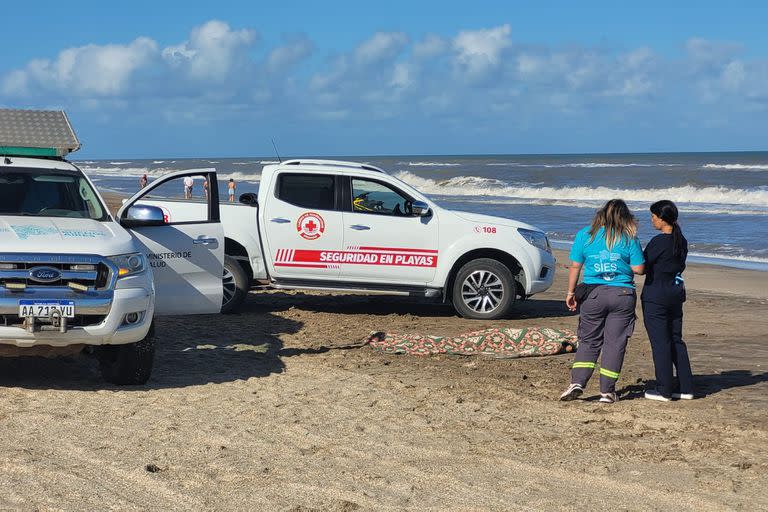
[612, 267]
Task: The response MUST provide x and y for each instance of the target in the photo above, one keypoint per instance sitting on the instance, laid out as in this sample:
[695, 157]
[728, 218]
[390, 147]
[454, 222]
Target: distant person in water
[189, 183]
[231, 187]
[143, 181]
[663, 297]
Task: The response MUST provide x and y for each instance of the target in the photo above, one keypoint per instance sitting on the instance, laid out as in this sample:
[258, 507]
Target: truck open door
[186, 251]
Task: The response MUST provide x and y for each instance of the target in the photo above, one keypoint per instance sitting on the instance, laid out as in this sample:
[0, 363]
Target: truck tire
[484, 289]
[235, 285]
[129, 364]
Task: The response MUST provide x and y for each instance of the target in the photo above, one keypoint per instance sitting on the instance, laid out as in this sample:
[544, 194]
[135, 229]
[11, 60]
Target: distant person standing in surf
[663, 297]
[231, 187]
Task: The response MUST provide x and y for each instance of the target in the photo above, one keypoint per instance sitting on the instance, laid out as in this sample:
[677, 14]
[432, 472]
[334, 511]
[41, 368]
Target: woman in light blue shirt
[610, 254]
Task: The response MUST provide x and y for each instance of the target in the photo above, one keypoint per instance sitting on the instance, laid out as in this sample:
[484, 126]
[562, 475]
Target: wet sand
[260, 411]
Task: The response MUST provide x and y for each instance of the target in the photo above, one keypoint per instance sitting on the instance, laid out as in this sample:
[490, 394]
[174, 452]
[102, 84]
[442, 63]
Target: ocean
[723, 197]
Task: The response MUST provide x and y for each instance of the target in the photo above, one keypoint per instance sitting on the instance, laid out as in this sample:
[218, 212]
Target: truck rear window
[314, 191]
[48, 193]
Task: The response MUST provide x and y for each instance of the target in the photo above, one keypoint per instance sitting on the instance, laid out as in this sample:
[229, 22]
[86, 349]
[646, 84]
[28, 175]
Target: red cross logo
[310, 226]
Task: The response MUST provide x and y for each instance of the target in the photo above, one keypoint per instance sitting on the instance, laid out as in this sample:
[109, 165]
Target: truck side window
[315, 191]
[377, 198]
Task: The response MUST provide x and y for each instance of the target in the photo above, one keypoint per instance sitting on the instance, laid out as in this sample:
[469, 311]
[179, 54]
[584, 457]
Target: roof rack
[45, 133]
[334, 163]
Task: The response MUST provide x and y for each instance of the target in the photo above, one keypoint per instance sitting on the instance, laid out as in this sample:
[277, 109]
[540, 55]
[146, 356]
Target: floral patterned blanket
[501, 343]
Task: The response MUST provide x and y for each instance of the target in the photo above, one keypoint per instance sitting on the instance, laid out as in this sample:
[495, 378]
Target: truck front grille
[53, 270]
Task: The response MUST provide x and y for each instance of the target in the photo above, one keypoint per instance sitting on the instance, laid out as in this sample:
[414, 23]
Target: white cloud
[284, 57]
[480, 50]
[86, 70]
[430, 46]
[382, 46]
[212, 50]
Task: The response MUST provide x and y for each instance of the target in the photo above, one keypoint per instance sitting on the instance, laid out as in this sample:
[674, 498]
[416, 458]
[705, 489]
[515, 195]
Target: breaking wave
[737, 167]
[131, 172]
[429, 164]
[477, 186]
[580, 165]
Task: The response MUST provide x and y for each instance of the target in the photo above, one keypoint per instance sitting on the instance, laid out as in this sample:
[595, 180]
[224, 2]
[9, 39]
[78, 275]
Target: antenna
[278, 154]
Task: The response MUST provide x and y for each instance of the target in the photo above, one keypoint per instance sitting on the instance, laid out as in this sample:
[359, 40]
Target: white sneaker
[652, 394]
[683, 396]
[573, 392]
[608, 398]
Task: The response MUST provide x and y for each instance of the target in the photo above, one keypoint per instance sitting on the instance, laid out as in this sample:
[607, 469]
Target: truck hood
[491, 220]
[63, 236]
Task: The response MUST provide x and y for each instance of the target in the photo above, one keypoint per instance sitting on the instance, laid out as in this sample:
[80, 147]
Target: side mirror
[250, 199]
[143, 215]
[421, 209]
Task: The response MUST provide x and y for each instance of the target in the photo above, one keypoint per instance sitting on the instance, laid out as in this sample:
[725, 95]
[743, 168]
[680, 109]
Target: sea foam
[477, 186]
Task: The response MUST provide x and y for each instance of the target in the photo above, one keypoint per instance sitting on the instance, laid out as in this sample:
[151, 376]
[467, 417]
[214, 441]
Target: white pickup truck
[72, 276]
[345, 226]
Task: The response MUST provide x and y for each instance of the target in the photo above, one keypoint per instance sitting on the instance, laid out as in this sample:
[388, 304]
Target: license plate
[44, 308]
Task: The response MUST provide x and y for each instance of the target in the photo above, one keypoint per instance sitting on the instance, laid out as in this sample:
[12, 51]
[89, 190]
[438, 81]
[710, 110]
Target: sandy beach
[262, 410]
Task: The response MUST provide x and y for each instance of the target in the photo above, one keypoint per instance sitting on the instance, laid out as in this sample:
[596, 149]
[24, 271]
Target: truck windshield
[48, 193]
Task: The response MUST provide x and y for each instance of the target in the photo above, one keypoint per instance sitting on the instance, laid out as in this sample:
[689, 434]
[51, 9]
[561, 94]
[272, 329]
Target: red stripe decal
[302, 265]
[401, 259]
[397, 249]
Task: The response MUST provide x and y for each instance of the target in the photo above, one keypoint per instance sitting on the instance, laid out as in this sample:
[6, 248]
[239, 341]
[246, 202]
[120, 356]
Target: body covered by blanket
[506, 342]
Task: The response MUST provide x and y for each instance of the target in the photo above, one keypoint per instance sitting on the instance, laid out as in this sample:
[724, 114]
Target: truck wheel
[129, 364]
[235, 285]
[484, 289]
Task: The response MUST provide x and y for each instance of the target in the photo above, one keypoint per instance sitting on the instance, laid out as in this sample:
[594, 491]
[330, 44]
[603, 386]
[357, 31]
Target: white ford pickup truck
[74, 276]
[329, 225]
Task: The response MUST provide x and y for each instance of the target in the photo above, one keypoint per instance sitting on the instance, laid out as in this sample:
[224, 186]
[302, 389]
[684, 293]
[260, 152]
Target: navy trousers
[664, 324]
[606, 321]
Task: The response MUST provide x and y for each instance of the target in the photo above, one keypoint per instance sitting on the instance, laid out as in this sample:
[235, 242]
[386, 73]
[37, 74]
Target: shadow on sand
[189, 351]
[383, 305]
[704, 385]
[210, 349]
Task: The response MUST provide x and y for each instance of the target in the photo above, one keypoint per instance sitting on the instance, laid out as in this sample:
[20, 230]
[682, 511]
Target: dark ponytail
[667, 211]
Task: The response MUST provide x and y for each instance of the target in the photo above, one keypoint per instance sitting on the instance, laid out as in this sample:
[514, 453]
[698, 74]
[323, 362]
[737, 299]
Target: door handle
[360, 227]
[204, 241]
[279, 220]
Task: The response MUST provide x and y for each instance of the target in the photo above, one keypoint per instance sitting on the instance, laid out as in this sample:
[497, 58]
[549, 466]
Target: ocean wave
[257, 162]
[119, 163]
[239, 177]
[154, 162]
[429, 164]
[737, 167]
[594, 204]
[710, 256]
[157, 172]
[581, 165]
[476, 186]
[117, 171]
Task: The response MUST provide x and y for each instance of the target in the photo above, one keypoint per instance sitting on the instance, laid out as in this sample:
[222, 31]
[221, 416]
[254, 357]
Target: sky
[151, 79]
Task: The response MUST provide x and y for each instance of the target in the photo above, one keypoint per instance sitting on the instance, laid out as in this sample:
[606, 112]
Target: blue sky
[161, 79]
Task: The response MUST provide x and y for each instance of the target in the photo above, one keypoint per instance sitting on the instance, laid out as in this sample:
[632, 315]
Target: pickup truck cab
[346, 226]
[73, 276]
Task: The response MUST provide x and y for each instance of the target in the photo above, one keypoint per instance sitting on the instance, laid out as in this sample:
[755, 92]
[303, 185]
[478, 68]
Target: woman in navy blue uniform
[662, 298]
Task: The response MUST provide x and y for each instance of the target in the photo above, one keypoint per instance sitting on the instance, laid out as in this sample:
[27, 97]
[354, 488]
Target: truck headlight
[536, 239]
[129, 264]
